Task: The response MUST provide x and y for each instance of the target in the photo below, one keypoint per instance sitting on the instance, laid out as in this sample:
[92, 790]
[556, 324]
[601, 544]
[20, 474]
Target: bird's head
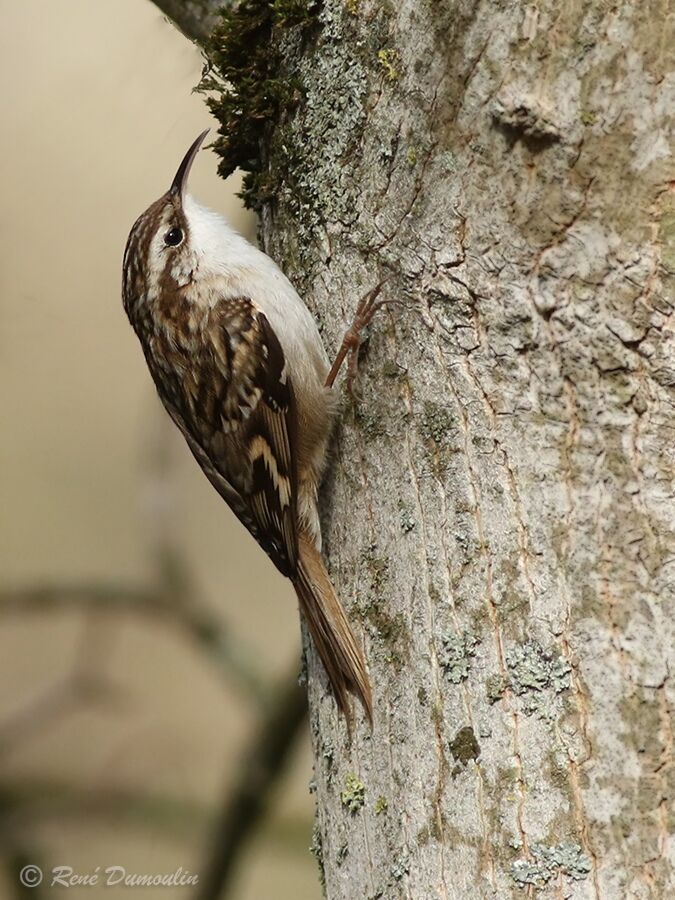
[163, 246]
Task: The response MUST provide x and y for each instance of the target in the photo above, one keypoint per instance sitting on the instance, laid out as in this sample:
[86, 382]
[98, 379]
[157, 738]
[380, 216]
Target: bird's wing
[237, 412]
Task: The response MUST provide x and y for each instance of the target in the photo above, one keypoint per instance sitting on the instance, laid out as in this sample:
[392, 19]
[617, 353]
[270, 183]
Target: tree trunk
[499, 510]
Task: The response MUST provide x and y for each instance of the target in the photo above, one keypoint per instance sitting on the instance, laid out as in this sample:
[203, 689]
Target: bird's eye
[173, 237]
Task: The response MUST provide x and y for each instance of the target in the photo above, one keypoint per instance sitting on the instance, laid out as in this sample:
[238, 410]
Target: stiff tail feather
[333, 638]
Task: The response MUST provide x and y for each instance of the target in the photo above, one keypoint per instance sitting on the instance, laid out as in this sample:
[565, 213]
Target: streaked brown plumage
[239, 366]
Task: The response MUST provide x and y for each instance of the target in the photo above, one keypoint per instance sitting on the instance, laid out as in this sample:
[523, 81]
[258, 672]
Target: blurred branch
[208, 633]
[172, 595]
[84, 684]
[262, 764]
[25, 799]
[53, 704]
[195, 18]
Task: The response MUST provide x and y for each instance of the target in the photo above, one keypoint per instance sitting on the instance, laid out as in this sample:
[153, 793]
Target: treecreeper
[240, 367]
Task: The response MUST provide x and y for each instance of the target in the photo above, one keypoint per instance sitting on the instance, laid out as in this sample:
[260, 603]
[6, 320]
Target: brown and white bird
[238, 363]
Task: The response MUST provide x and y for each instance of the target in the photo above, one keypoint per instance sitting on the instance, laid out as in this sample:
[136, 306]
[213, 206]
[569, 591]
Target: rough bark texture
[499, 520]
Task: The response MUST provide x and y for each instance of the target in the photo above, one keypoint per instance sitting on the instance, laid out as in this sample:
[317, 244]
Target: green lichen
[390, 61]
[537, 675]
[455, 654]
[411, 156]
[354, 794]
[588, 117]
[381, 805]
[464, 746]
[546, 863]
[437, 422]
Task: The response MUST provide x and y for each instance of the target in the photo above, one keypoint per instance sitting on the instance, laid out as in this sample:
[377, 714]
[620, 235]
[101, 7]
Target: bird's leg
[351, 342]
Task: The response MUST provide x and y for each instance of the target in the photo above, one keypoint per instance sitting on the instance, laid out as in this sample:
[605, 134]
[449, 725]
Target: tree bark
[195, 18]
[499, 512]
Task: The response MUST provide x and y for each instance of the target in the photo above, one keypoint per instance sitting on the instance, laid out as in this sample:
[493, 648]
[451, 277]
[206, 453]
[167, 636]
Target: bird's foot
[353, 339]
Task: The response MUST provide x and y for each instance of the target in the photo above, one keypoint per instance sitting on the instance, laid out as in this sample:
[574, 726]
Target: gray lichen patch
[441, 434]
[316, 849]
[313, 152]
[547, 862]
[457, 649]
[438, 422]
[400, 868]
[374, 422]
[407, 520]
[537, 675]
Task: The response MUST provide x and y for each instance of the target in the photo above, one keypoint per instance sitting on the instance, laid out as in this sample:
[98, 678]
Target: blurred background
[142, 633]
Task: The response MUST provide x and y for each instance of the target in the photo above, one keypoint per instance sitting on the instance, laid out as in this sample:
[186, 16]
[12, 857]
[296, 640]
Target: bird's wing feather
[236, 410]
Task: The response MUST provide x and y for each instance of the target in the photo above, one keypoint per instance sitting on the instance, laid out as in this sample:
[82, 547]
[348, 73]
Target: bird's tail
[333, 638]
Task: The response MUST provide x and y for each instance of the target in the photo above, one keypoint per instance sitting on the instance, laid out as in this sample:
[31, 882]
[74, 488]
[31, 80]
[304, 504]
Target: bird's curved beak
[179, 182]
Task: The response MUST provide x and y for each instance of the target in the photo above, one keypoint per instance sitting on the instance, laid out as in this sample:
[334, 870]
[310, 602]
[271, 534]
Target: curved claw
[351, 342]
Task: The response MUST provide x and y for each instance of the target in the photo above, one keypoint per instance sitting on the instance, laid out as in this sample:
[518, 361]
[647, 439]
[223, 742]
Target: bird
[240, 367]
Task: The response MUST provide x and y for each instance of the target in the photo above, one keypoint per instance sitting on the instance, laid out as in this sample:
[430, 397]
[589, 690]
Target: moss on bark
[249, 88]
